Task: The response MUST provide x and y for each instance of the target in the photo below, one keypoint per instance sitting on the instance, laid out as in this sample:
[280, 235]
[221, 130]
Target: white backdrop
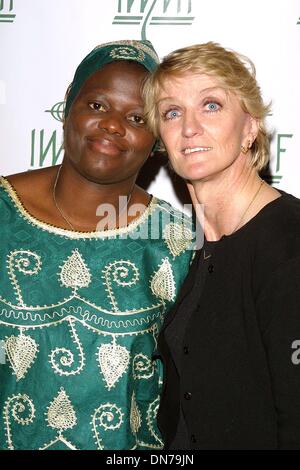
[42, 42]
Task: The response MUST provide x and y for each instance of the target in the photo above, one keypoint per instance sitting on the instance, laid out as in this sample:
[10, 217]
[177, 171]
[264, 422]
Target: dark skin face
[106, 144]
[106, 138]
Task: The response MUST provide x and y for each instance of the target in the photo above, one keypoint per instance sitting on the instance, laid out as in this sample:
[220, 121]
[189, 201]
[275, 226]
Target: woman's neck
[226, 204]
[83, 203]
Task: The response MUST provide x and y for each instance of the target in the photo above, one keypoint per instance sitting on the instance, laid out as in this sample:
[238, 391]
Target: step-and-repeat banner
[42, 42]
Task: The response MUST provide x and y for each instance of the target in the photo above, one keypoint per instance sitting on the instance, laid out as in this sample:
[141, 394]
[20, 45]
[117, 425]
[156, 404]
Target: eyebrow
[205, 90]
[100, 92]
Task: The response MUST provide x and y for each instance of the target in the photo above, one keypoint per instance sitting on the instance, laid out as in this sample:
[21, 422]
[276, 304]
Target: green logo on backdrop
[276, 178]
[57, 111]
[6, 7]
[46, 147]
[154, 13]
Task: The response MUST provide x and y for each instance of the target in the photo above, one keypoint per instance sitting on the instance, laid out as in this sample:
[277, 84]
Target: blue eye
[212, 106]
[172, 114]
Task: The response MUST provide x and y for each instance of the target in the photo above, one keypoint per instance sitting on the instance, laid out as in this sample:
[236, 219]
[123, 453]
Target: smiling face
[106, 138]
[202, 126]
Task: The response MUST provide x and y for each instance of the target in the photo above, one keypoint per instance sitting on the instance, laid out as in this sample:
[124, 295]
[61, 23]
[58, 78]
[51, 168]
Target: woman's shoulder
[27, 183]
[176, 227]
[176, 214]
[290, 203]
[283, 215]
[275, 218]
[276, 233]
[30, 187]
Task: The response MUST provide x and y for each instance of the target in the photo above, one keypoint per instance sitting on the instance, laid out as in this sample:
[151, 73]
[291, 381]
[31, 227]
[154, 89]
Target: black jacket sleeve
[279, 315]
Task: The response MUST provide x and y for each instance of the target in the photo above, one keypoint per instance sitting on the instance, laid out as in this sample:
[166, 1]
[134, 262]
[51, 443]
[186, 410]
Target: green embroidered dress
[79, 318]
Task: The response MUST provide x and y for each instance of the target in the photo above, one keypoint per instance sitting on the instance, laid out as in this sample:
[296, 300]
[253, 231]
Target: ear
[253, 128]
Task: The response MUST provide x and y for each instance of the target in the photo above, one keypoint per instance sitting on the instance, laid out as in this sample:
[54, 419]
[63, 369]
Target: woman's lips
[104, 146]
[195, 150]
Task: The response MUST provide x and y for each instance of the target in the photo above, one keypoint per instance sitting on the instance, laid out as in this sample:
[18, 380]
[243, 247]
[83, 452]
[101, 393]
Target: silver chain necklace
[206, 256]
[248, 207]
[62, 213]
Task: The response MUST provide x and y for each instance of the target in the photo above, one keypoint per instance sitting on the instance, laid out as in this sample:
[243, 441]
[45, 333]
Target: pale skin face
[203, 127]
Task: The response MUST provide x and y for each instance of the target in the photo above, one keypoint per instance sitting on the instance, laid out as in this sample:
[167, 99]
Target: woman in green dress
[90, 264]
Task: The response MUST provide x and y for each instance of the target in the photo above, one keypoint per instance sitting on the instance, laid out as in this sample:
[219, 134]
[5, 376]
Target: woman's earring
[245, 149]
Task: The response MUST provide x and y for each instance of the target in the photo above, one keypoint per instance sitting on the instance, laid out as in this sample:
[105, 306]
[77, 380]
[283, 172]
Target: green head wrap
[141, 52]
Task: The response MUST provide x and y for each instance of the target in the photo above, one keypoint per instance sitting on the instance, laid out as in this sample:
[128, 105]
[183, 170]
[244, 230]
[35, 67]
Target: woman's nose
[191, 124]
[112, 123]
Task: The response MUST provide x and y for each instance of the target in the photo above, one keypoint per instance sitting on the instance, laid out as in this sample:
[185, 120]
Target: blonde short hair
[234, 72]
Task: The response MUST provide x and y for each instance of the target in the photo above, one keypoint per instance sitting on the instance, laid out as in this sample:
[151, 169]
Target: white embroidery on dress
[136, 323]
[30, 316]
[143, 367]
[98, 324]
[150, 446]
[109, 417]
[177, 237]
[135, 416]
[21, 351]
[17, 406]
[61, 416]
[84, 313]
[113, 361]
[151, 418]
[74, 272]
[123, 273]
[162, 283]
[26, 262]
[155, 330]
[59, 438]
[66, 359]
[69, 234]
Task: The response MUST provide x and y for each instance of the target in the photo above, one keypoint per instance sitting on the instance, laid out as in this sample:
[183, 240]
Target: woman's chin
[192, 172]
[194, 176]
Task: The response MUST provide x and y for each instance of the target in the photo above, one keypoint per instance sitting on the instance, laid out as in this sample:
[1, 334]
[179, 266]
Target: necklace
[62, 213]
[248, 207]
[208, 255]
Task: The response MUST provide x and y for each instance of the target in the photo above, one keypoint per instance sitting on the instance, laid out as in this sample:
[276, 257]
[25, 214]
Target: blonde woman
[229, 344]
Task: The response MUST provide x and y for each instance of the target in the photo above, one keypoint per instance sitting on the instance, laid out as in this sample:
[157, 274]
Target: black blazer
[239, 384]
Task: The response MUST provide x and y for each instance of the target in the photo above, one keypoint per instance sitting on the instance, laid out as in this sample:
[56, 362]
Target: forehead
[189, 85]
[189, 80]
